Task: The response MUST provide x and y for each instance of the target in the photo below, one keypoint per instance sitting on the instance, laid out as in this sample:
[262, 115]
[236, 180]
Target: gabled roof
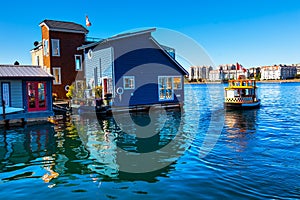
[62, 26]
[130, 34]
[23, 71]
[116, 37]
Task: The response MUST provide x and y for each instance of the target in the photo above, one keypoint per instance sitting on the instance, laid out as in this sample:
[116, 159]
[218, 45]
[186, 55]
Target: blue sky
[250, 32]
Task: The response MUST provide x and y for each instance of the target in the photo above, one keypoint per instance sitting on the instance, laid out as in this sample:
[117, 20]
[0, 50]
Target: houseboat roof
[23, 71]
[130, 34]
[62, 26]
[116, 37]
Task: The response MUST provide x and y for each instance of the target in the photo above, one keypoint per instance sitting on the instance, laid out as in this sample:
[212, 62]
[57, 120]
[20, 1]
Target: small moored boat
[241, 94]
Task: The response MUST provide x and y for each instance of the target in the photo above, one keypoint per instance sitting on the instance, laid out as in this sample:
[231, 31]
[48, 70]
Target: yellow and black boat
[241, 94]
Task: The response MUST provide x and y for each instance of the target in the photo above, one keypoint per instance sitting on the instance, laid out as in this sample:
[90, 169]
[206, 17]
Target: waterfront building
[57, 52]
[199, 73]
[228, 72]
[215, 75]
[278, 72]
[25, 92]
[298, 68]
[133, 69]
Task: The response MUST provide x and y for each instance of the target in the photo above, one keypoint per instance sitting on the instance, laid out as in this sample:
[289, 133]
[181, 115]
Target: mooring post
[4, 114]
[3, 109]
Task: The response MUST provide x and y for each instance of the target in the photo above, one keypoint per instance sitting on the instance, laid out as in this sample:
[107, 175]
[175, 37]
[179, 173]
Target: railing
[239, 100]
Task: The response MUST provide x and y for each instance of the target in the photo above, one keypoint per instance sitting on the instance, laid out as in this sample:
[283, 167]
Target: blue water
[199, 152]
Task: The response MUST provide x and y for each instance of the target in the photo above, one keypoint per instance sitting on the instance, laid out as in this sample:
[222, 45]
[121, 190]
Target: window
[46, 47]
[57, 75]
[128, 82]
[165, 88]
[78, 63]
[55, 47]
[177, 83]
[5, 89]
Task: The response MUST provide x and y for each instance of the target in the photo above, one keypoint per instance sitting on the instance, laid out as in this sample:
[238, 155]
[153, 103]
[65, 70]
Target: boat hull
[245, 106]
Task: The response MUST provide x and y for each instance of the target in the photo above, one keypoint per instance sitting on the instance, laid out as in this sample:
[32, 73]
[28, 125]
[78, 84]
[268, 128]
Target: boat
[241, 94]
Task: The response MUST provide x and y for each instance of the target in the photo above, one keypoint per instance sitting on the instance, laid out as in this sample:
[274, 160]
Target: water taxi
[241, 94]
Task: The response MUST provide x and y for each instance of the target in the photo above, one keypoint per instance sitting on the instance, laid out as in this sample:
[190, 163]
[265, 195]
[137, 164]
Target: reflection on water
[240, 126]
[108, 144]
[21, 148]
[255, 157]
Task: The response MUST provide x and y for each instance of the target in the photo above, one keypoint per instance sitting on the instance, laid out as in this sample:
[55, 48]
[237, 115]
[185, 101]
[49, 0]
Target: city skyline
[252, 33]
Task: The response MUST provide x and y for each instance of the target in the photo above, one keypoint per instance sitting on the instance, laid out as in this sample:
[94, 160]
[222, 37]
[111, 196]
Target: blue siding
[139, 56]
[16, 93]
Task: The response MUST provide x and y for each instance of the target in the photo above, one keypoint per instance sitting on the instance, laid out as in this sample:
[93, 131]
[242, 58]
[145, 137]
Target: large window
[57, 75]
[78, 63]
[128, 82]
[55, 47]
[167, 85]
[46, 47]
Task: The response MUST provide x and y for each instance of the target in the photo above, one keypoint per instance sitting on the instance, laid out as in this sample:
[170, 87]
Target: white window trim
[77, 55]
[59, 69]
[171, 99]
[45, 49]
[124, 84]
[52, 45]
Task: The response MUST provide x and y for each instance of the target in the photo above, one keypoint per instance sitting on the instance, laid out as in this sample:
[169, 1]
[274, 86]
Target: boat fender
[120, 90]
[67, 88]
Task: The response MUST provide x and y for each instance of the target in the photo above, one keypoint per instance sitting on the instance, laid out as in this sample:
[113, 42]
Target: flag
[238, 66]
[87, 21]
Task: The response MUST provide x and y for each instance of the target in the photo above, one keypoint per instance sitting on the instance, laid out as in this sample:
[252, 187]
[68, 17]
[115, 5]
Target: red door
[36, 96]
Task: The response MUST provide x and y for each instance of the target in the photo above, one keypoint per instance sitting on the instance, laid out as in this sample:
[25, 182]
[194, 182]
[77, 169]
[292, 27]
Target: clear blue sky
[251, 32]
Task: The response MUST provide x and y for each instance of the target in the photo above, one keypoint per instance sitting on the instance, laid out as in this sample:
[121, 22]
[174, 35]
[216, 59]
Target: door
[36, 96]
[107, 87]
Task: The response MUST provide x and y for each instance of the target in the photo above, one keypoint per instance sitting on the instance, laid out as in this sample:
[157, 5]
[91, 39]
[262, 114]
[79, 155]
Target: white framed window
[128, 82]
[165, 88]
[177, 83]
[78, 62]
[46, 47]
[55, 47]
[57, 75]
[5, 93]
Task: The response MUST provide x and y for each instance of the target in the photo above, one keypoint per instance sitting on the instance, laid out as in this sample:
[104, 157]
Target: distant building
[199, 72]
[278, 72]
[227, 72]
[215, 75]
[297, 67]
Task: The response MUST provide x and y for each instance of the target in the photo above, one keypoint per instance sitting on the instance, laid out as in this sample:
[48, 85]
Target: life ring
[67, 87]
[120, 90]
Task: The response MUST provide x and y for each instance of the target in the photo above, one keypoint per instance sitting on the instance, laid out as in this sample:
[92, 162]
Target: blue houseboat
[26, 93]
[130, 70]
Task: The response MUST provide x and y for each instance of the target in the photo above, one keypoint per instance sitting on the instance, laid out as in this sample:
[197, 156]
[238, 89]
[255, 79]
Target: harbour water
[212, 154]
